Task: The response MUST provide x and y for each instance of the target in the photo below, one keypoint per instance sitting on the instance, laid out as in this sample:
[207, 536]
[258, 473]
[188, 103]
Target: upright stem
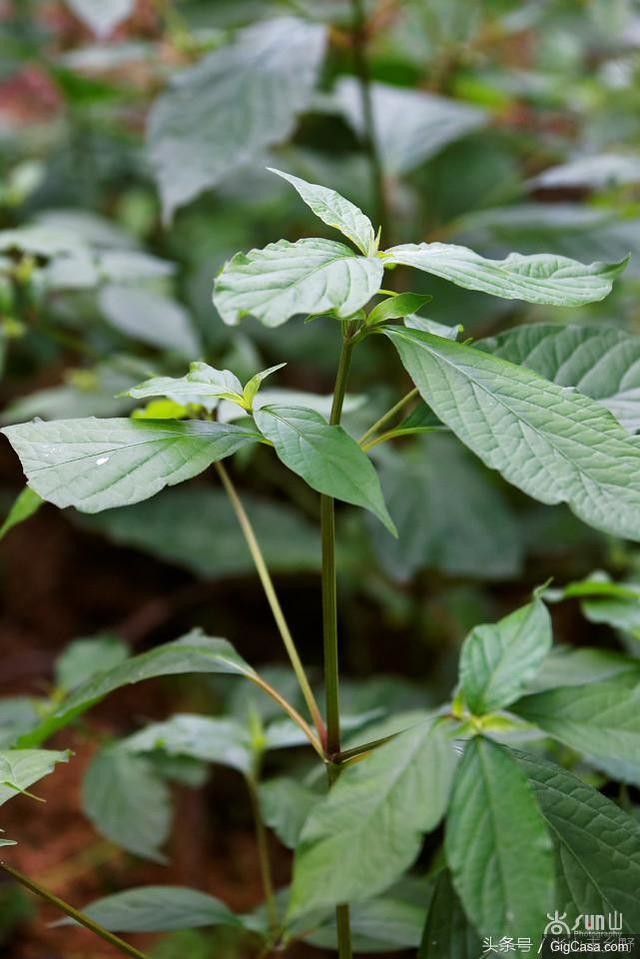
[272, 599]
[264, 859]
[359, 39]
[330, 624]
[79, 917]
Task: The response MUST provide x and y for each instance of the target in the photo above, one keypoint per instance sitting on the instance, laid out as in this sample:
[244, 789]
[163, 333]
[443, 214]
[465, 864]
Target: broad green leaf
[369, 828]
[159, 909]
[568, 666]
[20, 768]
[556, 445]
[383, 925]
[540, 278]
[102, 15]
[336, 211]
[127, 802]
[177, 527]
[498, 660]
[601, 720]
[18, 714]
[600, 171]
[597, 844]
[83, 658]
[98, 464]
[201, 384]
[602, 362]
[415, 322]
[325, 456]
[150, 318]
[193, 653]
[397, 307]
[24, 506]
[448, 933]
[211, 740]
[286, 804]
[312, 276]
[222, 114]
[498, 845]
[410, 125]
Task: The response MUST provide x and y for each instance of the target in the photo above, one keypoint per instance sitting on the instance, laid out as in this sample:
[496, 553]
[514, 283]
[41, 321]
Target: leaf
[253, 385]
[603, 601]
[286, 804]
[20, 768]
[369, 828]
[312, 276]
[103, 16]
[540, 278]
[600, 171]
[18, 714]
[127, 802]
[209, 739]
[196, 528]
[98, 464]
[415, 322]
[410, 125]
[201, 384]
[566, 666]
[398, 307]
[24, 506]
[601, 720]
[193, 653]
[325, 456]
[83, 658]
[150, 318]
[498, 660]
[556, 445]
[382, 925]
[601, 362]
[237, 101]
[447, 933]
[597, 844]
[498, 845]
[159, 909]
[336, 211]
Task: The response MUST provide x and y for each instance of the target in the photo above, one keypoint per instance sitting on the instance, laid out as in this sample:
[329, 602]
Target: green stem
[79, 917]
[291, 712]
[388, 416]
[264, 859]
[330, 622]
[370, 140]
[272, 599]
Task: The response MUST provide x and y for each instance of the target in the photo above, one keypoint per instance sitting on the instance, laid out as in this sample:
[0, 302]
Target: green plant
[511, 853]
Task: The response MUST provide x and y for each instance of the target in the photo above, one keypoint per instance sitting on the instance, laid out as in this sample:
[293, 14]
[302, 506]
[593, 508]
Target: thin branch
[388, 416]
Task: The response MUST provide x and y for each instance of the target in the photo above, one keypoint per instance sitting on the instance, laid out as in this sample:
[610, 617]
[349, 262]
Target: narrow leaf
[24, 506]
[448, 933]
[397, 307]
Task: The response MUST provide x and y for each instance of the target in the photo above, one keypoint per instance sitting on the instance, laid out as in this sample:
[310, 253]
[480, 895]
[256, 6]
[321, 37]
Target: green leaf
[127, 802]
[20, 768]
[325, 456]
[498, 660]
[252, 387]
[568, 666]
[211, 740]
[24, 506]
[540, 278]
[415, 322]
[597, 845]
[83, 658]
[103, 16]
[601, 720]
[448, 933]
[602, 362]
[286, 804]
[201, 384]
[150, 318]
[18, 714]
[98, 464]
[601, 171]
[603, 601]
[556, 445]
[336, 211]
[193, 653]
[159, 909]
[284, 279]
[222, 114]
[498, 845]
[369, 828]
[397, 307]
[383, 925]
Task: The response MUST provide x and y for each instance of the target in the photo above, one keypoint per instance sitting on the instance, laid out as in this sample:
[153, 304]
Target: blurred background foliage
[134, 138]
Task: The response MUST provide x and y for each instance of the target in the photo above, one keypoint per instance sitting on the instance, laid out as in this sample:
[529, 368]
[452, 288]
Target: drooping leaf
[499, 659]
[24, 506]
[540, 278]
[209, 739]
[448, 933]
[599, 171]
[102, 15]
[224, 112]
[556, 445]
[325, 456]
[150, 318]
[498, 845]
[602, 362]
[597, 844]
[127, 802]
[20, 768]
[286, 804]
[369, 828]
[336, 211]
[83, 658]
[312, 276]
[201, 384]
[159, 909]
[98, 464]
